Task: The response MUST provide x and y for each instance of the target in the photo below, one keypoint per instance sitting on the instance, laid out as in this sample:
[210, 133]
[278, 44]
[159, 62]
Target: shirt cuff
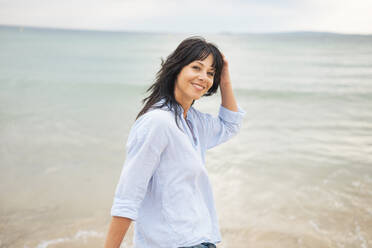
[124, 210]
[231, 116]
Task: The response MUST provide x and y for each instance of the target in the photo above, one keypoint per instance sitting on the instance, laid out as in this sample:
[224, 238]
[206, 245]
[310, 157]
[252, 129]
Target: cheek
[181, 81]
[191, 76]
[210, 84]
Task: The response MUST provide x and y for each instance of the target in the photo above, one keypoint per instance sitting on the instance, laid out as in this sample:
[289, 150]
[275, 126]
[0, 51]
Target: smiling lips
[198, 86]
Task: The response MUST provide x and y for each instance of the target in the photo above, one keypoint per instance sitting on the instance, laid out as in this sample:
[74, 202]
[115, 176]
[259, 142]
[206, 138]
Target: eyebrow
[204, 65]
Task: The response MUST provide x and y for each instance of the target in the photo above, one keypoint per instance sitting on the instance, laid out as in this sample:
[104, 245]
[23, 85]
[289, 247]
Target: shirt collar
[180, 109]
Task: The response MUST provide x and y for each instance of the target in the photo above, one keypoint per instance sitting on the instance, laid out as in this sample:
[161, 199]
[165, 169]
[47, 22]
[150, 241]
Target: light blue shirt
[164, 185]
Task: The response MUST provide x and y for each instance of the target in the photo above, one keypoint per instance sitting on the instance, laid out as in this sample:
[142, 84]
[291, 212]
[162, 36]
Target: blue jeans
[202, 245]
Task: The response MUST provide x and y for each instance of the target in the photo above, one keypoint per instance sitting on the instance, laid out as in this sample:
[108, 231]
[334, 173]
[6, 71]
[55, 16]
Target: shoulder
[151, 126]
[156, 117]
[154, 120]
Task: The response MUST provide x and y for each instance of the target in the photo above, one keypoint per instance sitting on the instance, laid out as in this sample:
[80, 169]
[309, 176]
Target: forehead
[207, 62]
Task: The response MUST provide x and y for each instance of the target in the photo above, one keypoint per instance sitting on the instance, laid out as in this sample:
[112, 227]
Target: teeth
[198, 86]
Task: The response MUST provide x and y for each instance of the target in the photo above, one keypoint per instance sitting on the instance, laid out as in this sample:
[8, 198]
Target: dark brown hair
[189, 50]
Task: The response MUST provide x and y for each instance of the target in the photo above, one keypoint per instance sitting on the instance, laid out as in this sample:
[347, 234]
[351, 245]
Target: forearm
[118, 228]
[227, 96]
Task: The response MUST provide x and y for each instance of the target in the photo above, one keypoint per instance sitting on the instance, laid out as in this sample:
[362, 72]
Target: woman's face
[194, 80]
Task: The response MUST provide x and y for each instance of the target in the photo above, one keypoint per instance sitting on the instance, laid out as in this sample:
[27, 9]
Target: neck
[185, 103]
[185, 109]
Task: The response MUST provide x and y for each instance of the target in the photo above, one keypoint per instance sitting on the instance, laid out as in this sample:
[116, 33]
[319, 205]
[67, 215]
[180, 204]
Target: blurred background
[72, 77]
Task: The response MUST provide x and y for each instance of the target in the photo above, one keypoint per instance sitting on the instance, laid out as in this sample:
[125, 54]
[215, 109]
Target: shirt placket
[191, 127]
[188, 127]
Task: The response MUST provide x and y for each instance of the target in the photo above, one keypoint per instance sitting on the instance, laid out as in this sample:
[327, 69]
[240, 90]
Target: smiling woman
[194, 80]
[164, 186]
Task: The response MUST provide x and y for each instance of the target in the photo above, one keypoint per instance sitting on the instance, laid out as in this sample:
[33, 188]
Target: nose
[202, 76]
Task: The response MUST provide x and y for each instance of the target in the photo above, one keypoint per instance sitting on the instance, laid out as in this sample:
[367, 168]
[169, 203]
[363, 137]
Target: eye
[211, 73]
[196, 67]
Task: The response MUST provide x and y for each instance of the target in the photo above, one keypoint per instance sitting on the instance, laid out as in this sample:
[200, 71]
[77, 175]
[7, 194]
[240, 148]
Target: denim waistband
[202, 245]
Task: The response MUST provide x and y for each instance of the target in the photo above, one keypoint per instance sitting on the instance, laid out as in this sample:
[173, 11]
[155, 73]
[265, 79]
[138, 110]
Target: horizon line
[21, 27]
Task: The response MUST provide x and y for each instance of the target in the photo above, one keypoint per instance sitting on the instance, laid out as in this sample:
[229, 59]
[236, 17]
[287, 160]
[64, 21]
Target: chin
[197, 97]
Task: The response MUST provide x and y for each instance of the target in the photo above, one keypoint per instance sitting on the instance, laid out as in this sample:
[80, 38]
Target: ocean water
[299, 173]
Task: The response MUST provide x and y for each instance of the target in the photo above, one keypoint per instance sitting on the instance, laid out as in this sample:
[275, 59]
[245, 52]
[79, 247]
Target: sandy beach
[298, 174]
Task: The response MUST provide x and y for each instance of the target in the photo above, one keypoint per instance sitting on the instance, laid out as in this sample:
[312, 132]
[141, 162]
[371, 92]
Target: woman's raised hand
[225, 73]
[227, 94]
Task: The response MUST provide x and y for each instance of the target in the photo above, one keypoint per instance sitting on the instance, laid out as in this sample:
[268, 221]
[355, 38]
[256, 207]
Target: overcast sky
[343, 16]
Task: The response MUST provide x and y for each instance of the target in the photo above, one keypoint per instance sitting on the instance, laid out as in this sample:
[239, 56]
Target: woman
[164, 186]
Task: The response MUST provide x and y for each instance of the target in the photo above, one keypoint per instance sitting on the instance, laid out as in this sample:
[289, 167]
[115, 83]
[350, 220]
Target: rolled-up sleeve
[146, 142]
[221, 128]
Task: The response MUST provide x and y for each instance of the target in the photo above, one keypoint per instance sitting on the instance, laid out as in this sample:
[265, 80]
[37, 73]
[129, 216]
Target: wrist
[225, 83]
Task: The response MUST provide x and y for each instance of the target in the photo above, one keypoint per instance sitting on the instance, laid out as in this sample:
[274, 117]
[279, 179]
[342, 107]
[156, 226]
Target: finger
[224, 58]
